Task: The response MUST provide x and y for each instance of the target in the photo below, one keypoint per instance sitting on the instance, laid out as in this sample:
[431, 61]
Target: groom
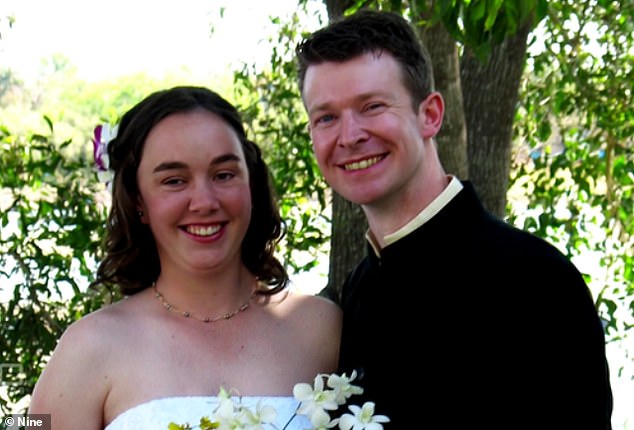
[454, 316]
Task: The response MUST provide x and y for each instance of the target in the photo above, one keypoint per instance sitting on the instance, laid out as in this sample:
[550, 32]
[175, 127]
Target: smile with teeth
[362, 164]
[199, 230]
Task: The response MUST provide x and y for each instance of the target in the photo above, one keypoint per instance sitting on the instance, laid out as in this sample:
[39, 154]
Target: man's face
[367, 138]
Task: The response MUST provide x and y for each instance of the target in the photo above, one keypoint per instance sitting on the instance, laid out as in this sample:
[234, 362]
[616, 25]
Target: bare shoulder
[99, 330]
[313, 328]
[293, 304]
[314, 320]
[88, 342]
[76, 380]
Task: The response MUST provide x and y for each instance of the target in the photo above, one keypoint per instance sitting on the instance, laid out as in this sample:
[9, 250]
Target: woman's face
[194, 191]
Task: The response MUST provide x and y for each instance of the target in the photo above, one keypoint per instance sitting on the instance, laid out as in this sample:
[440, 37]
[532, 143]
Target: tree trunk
[347, 243]
[490, 92]
[452, 139]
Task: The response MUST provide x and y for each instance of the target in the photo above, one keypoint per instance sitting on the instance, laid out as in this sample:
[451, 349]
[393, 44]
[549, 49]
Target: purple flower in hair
[103, 135]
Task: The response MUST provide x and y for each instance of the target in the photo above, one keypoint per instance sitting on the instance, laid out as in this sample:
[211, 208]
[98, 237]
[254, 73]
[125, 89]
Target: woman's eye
[224, 176]
[173, 181]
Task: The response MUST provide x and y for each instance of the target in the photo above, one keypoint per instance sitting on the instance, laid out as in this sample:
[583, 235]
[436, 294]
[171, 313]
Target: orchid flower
[362, 418]
[328, 393]
[103, 135]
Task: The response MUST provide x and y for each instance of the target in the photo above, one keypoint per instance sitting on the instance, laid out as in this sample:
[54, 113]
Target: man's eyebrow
[174, 165]
[359, 98]
[319, 107]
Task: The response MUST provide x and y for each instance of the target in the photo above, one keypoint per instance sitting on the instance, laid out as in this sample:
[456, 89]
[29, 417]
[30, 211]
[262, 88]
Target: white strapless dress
[159, 413]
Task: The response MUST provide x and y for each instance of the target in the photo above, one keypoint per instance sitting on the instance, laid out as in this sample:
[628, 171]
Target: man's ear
[430, 115]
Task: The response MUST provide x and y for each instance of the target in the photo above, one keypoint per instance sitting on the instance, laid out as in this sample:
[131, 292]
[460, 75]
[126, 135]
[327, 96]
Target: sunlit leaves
[270, 102]
[51, 224]
[576, 117]
[478, 24]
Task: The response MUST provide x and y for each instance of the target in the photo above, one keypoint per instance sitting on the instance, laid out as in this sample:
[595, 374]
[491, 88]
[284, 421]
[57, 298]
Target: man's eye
[324, 119]
[374, 106]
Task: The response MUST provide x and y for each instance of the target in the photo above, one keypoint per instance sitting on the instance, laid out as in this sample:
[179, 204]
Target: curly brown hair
[131, 262]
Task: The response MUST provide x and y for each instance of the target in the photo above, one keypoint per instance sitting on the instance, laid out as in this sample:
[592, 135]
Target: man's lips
[362, 164]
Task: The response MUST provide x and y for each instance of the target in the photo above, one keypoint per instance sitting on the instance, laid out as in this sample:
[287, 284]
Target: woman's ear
[141, 213]
[430, 115]
[141, 216]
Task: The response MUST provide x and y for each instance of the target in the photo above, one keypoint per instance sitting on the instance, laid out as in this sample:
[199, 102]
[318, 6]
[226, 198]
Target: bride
[190, 241]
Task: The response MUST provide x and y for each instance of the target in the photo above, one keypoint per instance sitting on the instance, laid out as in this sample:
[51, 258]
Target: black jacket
[470, 323]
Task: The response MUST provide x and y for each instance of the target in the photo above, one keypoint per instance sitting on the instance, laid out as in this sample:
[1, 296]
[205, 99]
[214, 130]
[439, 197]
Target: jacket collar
[452, 189]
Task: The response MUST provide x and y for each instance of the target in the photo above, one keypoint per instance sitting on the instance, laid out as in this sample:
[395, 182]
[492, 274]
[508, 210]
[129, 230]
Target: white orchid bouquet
[316, 403]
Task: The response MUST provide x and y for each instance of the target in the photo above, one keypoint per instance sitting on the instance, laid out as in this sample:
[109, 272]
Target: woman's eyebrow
[169, 165]
[173, 165]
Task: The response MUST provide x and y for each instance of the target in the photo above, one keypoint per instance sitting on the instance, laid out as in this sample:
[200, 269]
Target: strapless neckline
[158, 413]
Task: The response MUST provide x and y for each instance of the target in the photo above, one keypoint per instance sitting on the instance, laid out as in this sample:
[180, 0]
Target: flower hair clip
[103, 135]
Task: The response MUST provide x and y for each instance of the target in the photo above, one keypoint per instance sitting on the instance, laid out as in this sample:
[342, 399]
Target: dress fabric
[159, 413]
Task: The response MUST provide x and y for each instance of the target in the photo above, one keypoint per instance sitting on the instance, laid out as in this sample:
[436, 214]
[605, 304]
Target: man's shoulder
[512, 240]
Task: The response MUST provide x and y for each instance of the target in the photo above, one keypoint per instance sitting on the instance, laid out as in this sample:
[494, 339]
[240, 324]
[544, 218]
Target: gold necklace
[170, 307]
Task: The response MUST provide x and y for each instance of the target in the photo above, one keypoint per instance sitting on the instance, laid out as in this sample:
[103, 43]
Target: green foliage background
[572, 177]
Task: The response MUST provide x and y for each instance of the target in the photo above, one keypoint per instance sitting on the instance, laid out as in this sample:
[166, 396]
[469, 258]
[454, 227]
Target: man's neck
[397, 223]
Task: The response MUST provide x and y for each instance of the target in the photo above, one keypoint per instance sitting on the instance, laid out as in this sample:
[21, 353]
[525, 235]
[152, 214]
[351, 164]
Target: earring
[139, 213]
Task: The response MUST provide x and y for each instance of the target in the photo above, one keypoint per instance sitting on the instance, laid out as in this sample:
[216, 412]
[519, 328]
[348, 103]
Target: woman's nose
[203, 197]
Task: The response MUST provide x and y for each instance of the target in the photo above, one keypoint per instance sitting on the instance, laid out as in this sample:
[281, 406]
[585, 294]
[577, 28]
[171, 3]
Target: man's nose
[351, 129]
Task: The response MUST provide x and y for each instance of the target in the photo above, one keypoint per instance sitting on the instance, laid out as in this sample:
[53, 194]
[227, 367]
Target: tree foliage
[574, 154]
[272, 109]
[51, 224]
